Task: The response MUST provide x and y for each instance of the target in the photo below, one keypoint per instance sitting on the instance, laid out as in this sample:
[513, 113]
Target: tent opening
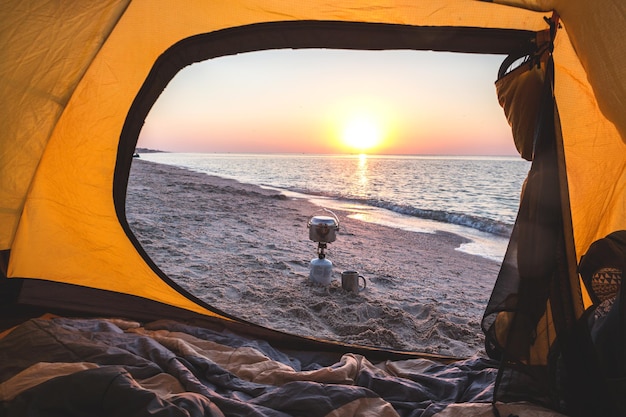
[409, 149]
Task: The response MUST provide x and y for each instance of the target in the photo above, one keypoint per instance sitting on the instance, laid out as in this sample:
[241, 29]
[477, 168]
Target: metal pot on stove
[323, 229]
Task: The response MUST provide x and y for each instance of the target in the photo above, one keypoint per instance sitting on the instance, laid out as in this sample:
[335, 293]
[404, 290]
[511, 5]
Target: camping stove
[323, 230]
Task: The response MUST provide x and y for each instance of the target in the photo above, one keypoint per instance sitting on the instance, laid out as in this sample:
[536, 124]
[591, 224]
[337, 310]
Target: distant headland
[146, 150]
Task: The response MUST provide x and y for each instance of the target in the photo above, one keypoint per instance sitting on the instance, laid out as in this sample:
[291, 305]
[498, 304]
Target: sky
[333, 101]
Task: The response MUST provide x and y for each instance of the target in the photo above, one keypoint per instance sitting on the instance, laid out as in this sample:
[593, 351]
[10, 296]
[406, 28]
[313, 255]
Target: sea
[476, 197]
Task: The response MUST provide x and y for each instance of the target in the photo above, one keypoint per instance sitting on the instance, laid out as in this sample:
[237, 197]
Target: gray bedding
[93, 367]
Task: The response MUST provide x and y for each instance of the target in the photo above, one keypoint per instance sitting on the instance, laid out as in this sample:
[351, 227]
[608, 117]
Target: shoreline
[489, 232]
[245, 249]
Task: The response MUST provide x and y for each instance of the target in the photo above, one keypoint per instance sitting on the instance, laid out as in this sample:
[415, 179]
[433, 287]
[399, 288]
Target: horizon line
[356, 154]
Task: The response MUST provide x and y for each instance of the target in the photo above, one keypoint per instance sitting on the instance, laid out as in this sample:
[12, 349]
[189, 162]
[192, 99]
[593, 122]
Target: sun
[362, 133]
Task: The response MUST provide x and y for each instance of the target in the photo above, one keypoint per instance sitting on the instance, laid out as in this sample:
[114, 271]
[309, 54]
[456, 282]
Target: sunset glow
[373, 102]
[362, 133]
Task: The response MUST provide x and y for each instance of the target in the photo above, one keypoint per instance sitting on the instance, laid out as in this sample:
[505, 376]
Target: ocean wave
[483, 224]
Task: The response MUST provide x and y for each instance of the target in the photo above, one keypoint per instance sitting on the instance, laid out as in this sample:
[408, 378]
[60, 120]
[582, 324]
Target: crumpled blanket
[93, 367]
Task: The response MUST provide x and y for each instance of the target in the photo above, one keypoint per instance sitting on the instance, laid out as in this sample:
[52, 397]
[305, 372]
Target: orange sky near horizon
[314, 101]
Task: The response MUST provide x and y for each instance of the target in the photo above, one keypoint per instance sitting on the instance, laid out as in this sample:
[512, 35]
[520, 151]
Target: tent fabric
[519, 97]
[36, 86]
[518, 317]
[538, 295]
[65, 218]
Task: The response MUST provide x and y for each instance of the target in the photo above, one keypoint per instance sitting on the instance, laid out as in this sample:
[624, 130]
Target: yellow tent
[78, 78]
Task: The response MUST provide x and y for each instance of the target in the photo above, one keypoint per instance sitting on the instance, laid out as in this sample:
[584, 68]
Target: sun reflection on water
[362, 171]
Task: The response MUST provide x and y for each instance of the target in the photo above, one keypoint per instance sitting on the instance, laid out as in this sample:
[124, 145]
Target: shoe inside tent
[77, 80]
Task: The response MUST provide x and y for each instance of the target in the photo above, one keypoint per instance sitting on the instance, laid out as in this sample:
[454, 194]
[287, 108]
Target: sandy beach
[245, 250]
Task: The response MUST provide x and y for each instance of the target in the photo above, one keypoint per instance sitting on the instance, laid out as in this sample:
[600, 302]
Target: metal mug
[350, 281]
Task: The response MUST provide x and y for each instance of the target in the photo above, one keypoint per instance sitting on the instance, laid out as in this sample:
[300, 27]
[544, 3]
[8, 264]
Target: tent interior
[90, 319]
